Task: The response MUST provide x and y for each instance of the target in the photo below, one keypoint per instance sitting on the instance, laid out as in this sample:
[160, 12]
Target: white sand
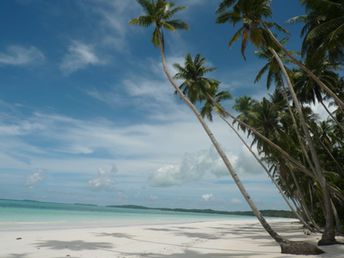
[192, 240]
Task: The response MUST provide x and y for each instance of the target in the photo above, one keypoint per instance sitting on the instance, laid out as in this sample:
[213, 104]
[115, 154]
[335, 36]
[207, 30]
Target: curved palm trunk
[337, 219]
[328, 237]
[339, 167]
[322, 85]
[331, 115]
[286, 245]
[294, 125]
[285, 154]
[268, 173]
[303, 203]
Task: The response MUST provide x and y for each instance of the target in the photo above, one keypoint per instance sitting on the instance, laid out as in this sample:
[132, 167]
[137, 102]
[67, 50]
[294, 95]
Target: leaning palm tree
[159, 14]
[323, 30]
[275, 75]
[199, 88]
[252, 14]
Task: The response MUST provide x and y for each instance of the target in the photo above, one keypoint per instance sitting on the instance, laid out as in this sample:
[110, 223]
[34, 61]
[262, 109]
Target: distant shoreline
[267, 213]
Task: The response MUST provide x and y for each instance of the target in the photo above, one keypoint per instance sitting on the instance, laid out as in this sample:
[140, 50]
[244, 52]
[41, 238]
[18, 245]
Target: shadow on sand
[76, 245]
[192, 254]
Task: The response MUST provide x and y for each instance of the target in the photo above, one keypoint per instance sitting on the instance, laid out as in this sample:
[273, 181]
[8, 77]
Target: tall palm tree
[197, 87]
[158, 13]
[309, 92]
[328, 237]
[275, 75]
[195, 84]
[271, 118]
[251, 13]
[323, 30]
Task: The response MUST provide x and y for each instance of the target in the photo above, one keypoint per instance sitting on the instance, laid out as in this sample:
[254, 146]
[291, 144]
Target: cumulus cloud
[33, 179]
[207, 197]
[79, 56]
[105, 178]
[193, 167]
[197, 165]
[236, 201]
[21, 56]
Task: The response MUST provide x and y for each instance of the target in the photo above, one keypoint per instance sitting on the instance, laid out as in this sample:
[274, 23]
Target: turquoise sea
[15, 214]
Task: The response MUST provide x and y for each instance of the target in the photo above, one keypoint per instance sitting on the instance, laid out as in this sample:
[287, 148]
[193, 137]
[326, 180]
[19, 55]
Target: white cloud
[33, 179]
[207, 197]
[105, 178]
[192, 167]
[112, 98]
[236, 201]
[21, 56]
[79, 56]
[321, 111]
[167, 175]
[195, 166]
[111, 19]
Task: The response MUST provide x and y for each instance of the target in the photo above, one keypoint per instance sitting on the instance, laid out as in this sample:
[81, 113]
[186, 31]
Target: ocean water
[28, 215]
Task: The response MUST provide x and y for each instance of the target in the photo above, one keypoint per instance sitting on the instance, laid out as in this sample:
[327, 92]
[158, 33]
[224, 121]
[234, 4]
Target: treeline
[267, 213]
[302, 153]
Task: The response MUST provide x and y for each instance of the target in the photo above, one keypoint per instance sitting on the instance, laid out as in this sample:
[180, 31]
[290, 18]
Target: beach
[232, 238]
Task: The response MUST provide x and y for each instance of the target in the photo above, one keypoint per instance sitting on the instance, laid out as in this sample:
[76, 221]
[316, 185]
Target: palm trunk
[286, 245]
[294, 125]
[336, 217]
[339, 102]
[285, 154]
[339, 167]
[332, 116]
[328, 237]
[295, 200]
[303, 203]
[268, 173]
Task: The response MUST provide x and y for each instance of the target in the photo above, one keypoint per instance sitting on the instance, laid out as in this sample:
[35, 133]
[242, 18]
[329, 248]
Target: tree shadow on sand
[192, 254]
[76, 245]
[198, 235]
[162, 229]
[116, 235]
[17, 256]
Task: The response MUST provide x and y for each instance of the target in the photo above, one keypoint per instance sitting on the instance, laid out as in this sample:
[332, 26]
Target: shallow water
[30, 215]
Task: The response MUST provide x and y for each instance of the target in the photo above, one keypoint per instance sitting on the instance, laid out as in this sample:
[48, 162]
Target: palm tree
[158, 13]
[251, 13]
[197, 87]
[196, 84]
[328, 236]
[309, 92]
[275, 75]
[323, 30]
[272, 119]
[254, 28]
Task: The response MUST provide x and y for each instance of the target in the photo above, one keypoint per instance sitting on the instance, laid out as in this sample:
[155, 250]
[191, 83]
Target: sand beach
[210, 239]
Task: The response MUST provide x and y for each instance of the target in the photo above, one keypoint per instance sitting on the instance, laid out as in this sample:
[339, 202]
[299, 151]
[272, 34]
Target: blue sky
[86, 114]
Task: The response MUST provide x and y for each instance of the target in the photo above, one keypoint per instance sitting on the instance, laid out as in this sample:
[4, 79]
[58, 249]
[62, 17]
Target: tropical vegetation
[301, 153]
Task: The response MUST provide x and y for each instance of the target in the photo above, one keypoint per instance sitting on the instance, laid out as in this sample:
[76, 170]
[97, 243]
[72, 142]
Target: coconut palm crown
[251, 14]
[160, 14]
[199, 88]
[323, 30]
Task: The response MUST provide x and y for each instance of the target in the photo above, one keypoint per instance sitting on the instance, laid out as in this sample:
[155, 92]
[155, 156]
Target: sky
[87, 116]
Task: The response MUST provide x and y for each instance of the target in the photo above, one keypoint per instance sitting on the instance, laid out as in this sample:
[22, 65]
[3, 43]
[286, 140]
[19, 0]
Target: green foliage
[199, 88]
[251, 14]
[159, 13]
[323, 54]
[323, 30]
